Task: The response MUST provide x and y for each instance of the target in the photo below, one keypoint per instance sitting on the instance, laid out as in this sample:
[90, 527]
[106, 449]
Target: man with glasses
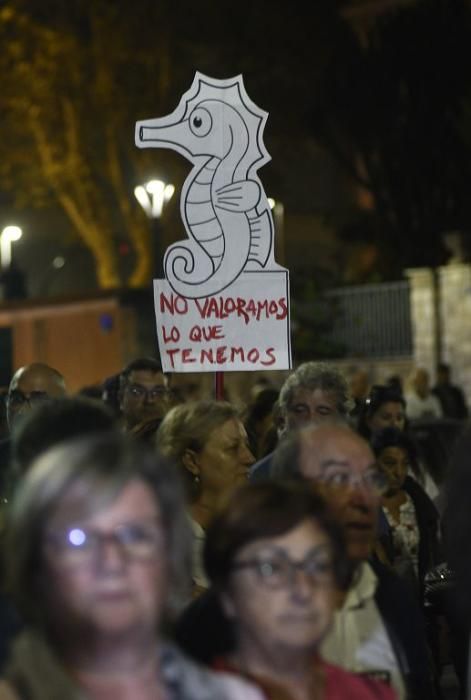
[378, 628]
[145, 396]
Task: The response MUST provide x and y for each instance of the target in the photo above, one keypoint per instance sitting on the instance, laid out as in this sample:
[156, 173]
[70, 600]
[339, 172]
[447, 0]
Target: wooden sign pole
[219, 386]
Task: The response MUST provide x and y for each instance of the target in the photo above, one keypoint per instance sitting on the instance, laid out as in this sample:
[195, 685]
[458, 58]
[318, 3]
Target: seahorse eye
[200, 121]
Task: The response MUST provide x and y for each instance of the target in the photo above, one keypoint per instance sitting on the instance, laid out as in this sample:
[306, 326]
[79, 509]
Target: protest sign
[245, 327]
[224, 304]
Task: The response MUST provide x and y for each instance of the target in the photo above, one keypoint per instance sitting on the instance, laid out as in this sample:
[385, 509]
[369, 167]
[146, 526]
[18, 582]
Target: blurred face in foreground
[105, 573]
[281, 591]
[343, 466]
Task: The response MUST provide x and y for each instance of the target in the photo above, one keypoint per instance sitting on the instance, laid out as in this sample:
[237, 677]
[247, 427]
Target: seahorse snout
[146, 135]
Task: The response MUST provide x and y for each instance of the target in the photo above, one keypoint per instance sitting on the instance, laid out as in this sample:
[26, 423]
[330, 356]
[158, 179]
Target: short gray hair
[317, 375]
[103, 465]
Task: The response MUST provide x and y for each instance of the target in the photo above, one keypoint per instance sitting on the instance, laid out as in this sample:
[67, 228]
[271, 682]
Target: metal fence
[371, 320]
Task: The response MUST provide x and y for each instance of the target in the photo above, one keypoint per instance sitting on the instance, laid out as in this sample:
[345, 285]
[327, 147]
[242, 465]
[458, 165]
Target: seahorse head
[214, 117]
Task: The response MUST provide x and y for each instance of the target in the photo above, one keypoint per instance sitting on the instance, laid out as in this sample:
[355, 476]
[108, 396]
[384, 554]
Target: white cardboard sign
[245, 327]
[229, 252]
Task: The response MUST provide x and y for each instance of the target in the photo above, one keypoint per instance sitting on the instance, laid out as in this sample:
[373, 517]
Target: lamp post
[152, 196]
[9, 235]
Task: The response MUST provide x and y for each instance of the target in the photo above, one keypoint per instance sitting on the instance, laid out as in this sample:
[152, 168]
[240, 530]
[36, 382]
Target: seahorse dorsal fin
[238, 196]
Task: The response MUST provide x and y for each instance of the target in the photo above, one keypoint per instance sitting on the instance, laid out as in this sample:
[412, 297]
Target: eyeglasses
[140, 392]
[18, 398]
[279, 570]
[80, 546]
[372, 480]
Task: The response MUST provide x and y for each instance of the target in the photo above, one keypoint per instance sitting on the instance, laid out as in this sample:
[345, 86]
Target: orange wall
[70, 338]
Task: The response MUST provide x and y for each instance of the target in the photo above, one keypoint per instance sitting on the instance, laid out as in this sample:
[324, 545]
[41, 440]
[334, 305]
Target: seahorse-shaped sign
[223, 205]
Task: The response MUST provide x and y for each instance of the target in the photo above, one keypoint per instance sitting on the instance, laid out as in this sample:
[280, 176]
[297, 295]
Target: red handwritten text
[221, 355]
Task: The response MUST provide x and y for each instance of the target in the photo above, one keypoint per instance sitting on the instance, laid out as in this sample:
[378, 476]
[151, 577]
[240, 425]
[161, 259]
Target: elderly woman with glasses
[97, 553]
[278, 562]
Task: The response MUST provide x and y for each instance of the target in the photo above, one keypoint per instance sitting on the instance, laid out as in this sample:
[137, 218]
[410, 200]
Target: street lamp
[152, 196]
[9, 235]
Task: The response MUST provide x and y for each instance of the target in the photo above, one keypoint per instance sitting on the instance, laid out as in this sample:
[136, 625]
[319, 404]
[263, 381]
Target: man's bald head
[31, 384]
[318, 444]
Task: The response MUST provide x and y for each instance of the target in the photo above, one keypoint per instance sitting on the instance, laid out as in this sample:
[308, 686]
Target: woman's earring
[196, 480]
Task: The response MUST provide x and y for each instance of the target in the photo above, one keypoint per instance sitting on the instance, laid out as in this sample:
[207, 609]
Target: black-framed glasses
[278, 570]
[17, 398]
[81, 546]
[137, 391]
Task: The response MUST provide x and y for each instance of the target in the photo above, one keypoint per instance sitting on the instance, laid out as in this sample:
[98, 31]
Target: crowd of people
[303, 546]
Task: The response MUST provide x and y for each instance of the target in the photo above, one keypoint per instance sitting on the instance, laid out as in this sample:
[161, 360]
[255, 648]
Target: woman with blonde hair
[209, 444]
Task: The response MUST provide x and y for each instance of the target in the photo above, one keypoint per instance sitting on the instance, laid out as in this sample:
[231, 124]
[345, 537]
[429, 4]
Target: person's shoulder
[420, 497]
[236, 688]
[391, 589]
[7, 692]
[359, 687]
[386, 575]
[261, 469]
[202, 630]
[198, 682]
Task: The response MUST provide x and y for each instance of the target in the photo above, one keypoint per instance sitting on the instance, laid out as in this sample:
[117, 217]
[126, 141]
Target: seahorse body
[227, 234]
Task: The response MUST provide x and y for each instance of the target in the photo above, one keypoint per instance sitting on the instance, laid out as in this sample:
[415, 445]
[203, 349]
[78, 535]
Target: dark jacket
[5, 455]
[428, 525]
[405, 625]
[261, 470]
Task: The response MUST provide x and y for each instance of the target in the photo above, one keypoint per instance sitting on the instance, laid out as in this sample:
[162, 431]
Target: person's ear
[190, 462]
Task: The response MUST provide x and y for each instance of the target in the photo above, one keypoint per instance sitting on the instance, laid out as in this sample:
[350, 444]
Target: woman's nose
[301, 585]
[247, 457]
[111, 554]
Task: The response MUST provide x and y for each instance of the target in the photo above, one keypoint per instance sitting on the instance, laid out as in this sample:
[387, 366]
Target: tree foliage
[75, 76]
[394, 111]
